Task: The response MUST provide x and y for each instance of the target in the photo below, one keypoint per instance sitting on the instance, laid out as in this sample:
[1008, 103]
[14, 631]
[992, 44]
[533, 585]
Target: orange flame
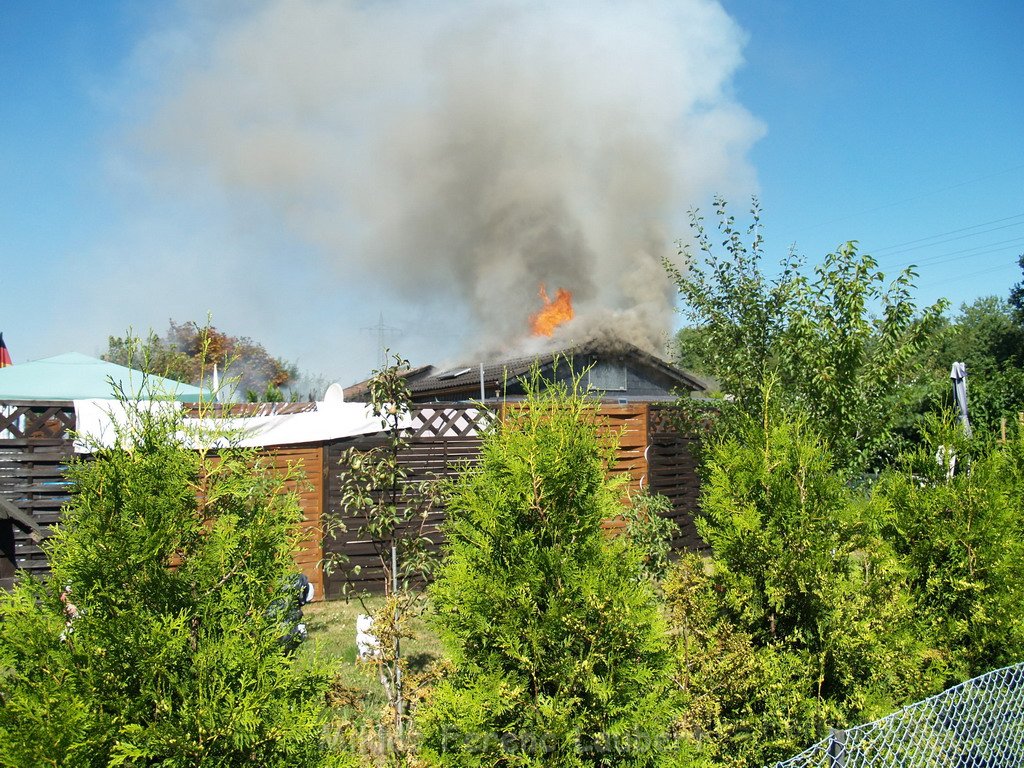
[553, 313]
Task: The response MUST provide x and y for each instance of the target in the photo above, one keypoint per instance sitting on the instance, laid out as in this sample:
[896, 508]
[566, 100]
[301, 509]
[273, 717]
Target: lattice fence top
[55, 420]
[40, 420]
[449, 422]
[976, 724]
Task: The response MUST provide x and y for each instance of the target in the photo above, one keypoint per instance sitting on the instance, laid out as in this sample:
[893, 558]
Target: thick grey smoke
[461, 153]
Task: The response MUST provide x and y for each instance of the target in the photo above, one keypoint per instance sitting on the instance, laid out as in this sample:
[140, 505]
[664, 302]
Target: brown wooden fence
[651, 452]
[35, 448]
[34, 451]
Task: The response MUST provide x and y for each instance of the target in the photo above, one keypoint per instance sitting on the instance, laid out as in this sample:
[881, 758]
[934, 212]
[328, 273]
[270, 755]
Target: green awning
[79, 377]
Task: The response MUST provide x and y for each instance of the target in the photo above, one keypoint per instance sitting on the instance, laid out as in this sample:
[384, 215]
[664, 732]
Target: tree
[960, 531]
[690, 351]
[559, 651]
[801, 619]
[188, 351]
[739, 315]
[160, 637]
[847, 368]
[987, 337]
[851, 370]
[1017, 295]
[393, 511]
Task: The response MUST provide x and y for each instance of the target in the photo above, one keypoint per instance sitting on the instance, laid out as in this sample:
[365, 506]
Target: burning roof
[615, 369]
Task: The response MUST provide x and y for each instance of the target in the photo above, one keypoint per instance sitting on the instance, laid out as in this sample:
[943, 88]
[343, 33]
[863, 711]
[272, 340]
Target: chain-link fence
[977, 724]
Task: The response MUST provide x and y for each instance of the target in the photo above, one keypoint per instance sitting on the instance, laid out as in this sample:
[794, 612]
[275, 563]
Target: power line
[955, 232]
[921, 196]
[960, 275]
[382, 331]
[964, 253]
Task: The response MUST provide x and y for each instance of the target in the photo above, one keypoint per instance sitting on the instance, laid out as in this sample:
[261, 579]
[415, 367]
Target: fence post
[836, 748]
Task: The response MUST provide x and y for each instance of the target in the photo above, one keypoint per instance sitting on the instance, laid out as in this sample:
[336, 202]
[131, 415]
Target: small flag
[5, 356]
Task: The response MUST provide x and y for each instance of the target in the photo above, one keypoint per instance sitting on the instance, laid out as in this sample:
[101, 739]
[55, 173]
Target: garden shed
[613, 370]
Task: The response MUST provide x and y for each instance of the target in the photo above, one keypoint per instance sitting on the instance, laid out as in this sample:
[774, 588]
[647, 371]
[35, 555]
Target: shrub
[962, 539]
[651, 532]
[559, 650]
[800, 619]
[173, 652]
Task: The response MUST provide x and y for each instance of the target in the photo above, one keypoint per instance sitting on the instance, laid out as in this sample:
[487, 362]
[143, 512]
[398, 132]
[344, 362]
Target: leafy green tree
[160, 638]
[847, 368]
[987, 337]
[187, 352]
[1016, 298]
[960, 531]
[559, 650]
[801, 619]
[739, 315]
[853, 370]
[651, 531]
[392, 511]
[690, 351]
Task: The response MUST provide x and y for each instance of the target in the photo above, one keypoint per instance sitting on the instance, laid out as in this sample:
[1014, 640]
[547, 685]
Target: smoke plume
[457, 154]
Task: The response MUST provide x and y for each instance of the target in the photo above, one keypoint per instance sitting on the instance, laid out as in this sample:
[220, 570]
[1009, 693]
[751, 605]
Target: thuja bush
[800, 619]
[159, 638]
[558, 648]
[651, 531]
[953, 511]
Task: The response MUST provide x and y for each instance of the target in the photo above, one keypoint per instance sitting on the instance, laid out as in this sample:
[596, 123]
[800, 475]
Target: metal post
[399, 703]
[836, 748]
[483, 394]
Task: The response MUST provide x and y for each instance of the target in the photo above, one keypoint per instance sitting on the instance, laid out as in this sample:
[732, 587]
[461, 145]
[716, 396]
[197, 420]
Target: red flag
[5, 356]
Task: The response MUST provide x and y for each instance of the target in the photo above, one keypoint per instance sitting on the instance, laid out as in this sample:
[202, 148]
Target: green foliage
[987, 337]
[651, 532]
[740, 315]
[962, 538]
[690, 351]
[1017, 295]
[849, 370]
[187, 352]
[852, 370]
[375, 486]
[559, 650]
[801, 618]
[167, 648]
[393, 511]
[748, 704]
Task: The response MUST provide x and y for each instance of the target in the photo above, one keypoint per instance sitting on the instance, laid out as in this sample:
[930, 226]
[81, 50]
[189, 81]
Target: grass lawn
[357, 692]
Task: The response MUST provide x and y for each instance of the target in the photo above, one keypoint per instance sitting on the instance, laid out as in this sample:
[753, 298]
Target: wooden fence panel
[33, 481]
[427, 459]
[673, 472]
[35, 449]
[306, 466]
[651, 453]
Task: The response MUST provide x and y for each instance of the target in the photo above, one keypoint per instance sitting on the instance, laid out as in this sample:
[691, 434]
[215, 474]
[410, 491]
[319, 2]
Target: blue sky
[895, 124]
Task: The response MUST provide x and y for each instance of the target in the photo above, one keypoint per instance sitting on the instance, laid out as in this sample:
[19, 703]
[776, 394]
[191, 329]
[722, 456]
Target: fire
[553, 313]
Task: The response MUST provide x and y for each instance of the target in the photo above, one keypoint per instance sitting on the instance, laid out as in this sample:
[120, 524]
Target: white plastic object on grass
[367, 644]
